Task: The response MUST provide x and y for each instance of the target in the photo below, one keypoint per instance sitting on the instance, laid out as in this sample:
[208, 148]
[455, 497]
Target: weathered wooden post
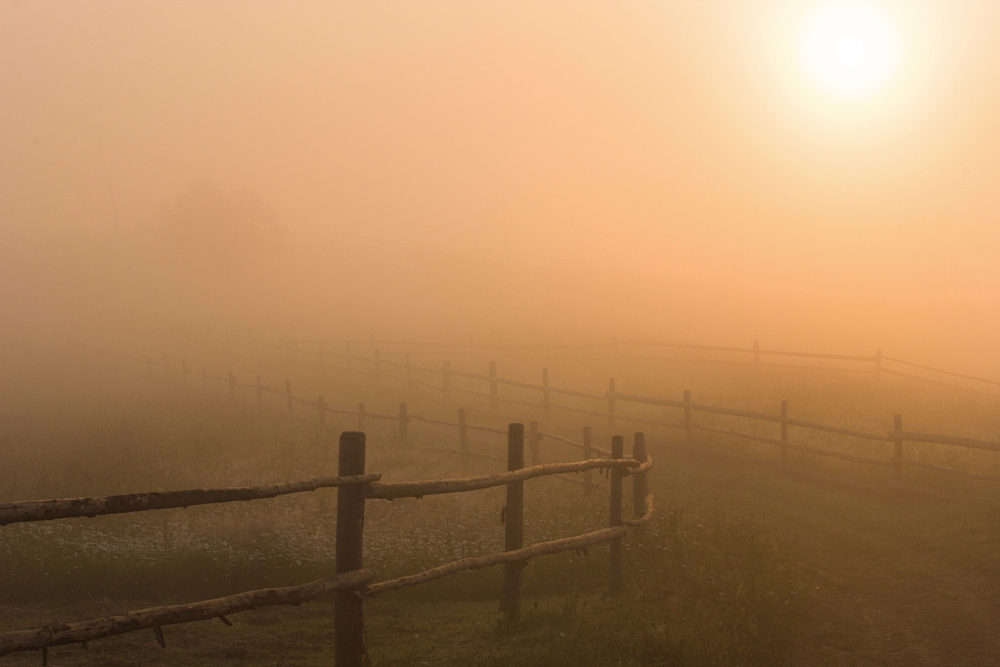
[321, 412]
[587, 454]
[409, 375]
[494, 394]
[784, 431]
[463, 434]
[878, 364]
[446, 380]
[897, 463]
[404, 421]
[361, 416]
[617, 452]
[288, 395]
[184, 373]
[611, 403]
[232, 385]
[510, 595]
[688, 434]
[260, 394]
[545, 391]
[534, 443]
[349, 643]
[756, 353]
[640, 482]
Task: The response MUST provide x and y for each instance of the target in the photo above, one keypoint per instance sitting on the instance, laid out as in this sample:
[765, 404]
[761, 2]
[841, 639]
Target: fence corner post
[611, 403]
[897, 462]
[615, 580]
[349, 647]
[784, 431]
[510, 595]
[587, 454]
[640, 481]
[404, 421]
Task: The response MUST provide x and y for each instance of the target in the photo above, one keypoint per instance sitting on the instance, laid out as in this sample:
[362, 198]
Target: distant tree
[227, 229]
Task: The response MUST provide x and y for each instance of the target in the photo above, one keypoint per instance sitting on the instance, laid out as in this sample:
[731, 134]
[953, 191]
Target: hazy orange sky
[665, 139]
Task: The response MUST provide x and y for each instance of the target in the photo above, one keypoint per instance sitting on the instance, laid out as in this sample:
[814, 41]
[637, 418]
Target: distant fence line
[358, 367]
[349, 584]
[875, 362]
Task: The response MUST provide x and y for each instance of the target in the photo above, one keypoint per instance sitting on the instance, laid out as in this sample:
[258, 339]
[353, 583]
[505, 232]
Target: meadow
[725, 574]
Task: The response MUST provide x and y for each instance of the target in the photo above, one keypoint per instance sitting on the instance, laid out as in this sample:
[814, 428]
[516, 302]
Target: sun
[849, 49]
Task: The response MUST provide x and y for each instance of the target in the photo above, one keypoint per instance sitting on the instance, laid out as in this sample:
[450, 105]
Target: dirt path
[890, 581]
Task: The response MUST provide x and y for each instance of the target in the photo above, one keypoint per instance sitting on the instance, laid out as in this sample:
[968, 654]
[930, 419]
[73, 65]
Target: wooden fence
[352, 582]
[876, 364]
[613, 399]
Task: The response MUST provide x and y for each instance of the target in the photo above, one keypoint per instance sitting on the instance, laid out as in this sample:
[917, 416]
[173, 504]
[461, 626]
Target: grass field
[742, 565]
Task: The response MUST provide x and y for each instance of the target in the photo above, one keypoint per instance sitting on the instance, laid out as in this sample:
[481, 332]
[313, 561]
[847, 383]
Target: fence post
[404, 421]
[611, 403]
[534, 442]
[446, 380]
[510, 595]
[494, 400]
[878, 364]
[587, 454]
[232, 385]
[288, 395]
[756, 353]
[349, 641]
[184, 373]
[260, 394]
[204, 378]
[897, 463]
[640, 483]
[784, 431]
[463, 434]
[617, 452]
[545, 391]
[688, 435]
[321, 411]
[361, 416]
[409, 375]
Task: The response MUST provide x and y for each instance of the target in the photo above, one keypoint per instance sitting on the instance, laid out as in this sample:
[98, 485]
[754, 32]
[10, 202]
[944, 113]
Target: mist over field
[760, 239]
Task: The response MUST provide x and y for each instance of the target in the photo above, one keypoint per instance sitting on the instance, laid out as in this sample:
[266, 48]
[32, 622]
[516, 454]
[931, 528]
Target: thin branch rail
[153, 618]
[389, 491]
[516, 556]
[65, 508]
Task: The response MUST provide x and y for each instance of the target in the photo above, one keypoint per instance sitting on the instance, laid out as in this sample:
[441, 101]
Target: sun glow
[849, 49]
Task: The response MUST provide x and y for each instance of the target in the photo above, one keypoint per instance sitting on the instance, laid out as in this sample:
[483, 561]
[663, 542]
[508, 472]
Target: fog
[518, 172]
